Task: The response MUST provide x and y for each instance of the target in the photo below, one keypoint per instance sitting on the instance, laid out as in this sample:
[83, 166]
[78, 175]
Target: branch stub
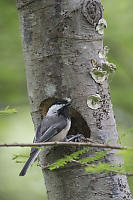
[92, 11]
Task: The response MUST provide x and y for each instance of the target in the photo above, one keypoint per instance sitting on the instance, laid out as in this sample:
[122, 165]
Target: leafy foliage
[7, 111]
[97, 156]
[104, 167]
[128, 164]
[75, 156]
[94, 163]
[63, 161]
[20, 158]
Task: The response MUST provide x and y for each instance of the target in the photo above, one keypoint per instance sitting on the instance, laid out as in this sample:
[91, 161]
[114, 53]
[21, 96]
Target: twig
[86, 165]
[129, 174]
[65, 144]
[80, 163]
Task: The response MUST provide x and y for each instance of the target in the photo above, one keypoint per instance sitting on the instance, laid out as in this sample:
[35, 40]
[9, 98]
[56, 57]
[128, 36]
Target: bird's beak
[68, 104]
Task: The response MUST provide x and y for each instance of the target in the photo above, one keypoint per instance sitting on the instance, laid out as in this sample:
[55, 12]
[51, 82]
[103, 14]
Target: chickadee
[54, 127]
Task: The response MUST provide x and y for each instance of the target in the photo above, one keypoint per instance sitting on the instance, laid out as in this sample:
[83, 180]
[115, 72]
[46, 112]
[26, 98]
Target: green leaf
[7, 111]
[95, 157]
[104, 167]
[36, 147]
[128, 159]
[16, 156]
[63, 161]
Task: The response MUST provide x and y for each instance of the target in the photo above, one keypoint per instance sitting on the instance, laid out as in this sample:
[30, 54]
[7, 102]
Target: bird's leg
[79, 138]
[74, 138]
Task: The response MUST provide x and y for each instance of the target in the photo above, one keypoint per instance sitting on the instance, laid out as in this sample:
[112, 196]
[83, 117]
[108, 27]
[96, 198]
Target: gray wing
[46, 130]
[49, 127]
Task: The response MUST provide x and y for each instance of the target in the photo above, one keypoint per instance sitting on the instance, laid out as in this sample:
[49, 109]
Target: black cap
[61, 101]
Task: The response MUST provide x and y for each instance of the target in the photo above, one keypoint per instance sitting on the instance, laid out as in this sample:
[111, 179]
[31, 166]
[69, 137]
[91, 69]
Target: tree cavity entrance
[78, 125]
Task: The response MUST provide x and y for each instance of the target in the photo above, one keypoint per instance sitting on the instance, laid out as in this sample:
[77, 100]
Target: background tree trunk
[59, 43]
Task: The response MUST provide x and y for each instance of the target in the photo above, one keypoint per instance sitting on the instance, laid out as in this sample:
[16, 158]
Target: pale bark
[58, 45]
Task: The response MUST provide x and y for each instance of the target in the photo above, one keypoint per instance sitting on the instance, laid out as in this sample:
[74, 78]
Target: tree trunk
[61, 46]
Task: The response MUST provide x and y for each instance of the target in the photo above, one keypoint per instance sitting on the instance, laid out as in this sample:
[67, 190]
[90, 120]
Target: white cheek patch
[53, 110]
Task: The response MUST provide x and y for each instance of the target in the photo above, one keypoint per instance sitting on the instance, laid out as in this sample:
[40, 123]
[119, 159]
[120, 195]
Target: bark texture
[59, 43]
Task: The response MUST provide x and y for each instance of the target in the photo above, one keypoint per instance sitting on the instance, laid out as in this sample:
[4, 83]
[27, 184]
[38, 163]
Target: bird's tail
[29, 162]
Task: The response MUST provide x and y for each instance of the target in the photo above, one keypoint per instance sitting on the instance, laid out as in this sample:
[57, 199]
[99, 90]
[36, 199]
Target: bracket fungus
[102, 53]
[108, 67]
[98, 75]
[102, 24]
[101, 71]
[94, 101]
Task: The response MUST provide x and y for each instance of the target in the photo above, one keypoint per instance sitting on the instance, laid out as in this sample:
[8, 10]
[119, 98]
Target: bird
[54, 127]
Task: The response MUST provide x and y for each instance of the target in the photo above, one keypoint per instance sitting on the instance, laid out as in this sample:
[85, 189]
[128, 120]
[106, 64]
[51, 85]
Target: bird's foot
[74, 138]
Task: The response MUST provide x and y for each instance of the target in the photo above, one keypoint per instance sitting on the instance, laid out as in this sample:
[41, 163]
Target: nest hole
[78, 125]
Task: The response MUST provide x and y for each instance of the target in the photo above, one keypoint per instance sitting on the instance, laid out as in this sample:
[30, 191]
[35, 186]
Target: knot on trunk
[92, 11]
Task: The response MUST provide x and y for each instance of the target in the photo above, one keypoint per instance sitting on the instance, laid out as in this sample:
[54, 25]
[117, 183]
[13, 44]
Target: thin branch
[129, 174]
[86, 165]
[79, 162]
[65, 144]
[117, 172]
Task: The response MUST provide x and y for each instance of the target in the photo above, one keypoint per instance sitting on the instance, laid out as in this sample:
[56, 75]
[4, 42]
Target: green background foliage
[18, 127]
